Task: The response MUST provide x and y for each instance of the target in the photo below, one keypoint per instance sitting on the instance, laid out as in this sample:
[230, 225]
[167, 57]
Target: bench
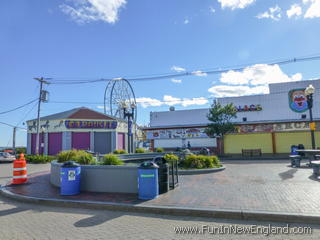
[251, 152]
[295, 160]
[316, 168]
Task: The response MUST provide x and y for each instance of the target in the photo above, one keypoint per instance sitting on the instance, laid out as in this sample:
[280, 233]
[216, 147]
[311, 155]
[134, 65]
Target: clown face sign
[298, 100]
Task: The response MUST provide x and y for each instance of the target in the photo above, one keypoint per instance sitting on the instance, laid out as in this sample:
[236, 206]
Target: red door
[81, 140]
[33, 143]
[120, 144]
[54, 143]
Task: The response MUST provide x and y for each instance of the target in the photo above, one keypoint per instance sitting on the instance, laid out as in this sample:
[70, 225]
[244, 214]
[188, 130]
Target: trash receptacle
[293, 150]
[70, 178]
[163, 174]
[148, 180]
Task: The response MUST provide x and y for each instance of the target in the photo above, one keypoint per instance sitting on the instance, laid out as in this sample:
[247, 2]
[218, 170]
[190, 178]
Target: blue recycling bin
[148, 180]
[70, 178]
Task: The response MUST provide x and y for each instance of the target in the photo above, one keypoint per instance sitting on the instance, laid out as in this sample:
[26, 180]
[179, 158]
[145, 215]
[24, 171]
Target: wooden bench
[251, 152]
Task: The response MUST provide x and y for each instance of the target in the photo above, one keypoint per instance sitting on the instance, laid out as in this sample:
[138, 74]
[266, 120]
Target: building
[79, 128]
[270, 122]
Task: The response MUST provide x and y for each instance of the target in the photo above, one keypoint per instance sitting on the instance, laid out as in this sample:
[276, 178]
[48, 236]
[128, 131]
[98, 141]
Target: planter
[101, 178]
[199, 171]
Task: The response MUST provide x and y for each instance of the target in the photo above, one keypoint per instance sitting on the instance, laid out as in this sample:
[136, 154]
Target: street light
[130, 116]
[309, 91]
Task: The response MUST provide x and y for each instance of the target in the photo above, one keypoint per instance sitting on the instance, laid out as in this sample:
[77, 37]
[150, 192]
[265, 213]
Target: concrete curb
[169, 210]
[199, 171]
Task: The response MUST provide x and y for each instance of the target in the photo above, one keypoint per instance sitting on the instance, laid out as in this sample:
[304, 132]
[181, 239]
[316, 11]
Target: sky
[97, 39]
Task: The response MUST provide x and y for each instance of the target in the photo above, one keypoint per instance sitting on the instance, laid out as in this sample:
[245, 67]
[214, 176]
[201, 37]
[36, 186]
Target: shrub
[159, 150]
[120, 151]
[79, 156]
[200, 161]
[140, 150]
[111, 159]
[38, 158]
[171, 157]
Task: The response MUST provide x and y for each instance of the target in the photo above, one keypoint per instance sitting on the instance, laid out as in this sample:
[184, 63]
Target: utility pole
[14, 140]
[41, 99]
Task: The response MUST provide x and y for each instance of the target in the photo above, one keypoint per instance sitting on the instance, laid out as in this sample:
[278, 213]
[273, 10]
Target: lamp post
[309, 91]
[130, 116]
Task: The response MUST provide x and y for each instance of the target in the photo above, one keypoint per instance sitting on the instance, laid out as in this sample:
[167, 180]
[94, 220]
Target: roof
[78, 113]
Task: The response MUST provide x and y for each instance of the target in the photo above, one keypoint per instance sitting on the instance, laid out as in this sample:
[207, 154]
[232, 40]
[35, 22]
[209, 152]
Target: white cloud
[178, 69]
[314, 9]
[234, 4]
[251, 81]
[212, 10]
[170, 101]
[176, 80]
[199, 73]
[259, 74]
[148, 102]
[186, 21]
[236, 91]
[273, 13]
[296, 77]
[85, 11]
[194, 101]
[295, 10]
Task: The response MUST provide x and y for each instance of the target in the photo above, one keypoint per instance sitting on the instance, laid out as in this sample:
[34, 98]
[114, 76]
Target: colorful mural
[177, 133]
[298, 100]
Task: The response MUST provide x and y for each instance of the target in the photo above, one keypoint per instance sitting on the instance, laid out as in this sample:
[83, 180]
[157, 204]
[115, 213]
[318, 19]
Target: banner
[91, 124]
[177, 133]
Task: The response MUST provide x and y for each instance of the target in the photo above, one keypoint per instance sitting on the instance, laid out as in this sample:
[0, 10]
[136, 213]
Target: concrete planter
[100, 178]
[199, 171]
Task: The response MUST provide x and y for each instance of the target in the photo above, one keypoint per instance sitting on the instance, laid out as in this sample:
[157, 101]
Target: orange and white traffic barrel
[19, 170]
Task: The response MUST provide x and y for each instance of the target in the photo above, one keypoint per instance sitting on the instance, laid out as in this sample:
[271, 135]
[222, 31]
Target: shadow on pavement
[288, 174]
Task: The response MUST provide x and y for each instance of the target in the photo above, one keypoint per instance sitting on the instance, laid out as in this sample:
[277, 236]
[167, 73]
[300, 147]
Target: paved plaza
[271, 186]
[267, 186]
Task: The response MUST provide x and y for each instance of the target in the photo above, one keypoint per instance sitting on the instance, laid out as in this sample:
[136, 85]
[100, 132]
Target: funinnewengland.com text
[237, 229]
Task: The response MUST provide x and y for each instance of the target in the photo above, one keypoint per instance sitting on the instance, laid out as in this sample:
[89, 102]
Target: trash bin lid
[148, 165]
[70, 164]
[159, 160]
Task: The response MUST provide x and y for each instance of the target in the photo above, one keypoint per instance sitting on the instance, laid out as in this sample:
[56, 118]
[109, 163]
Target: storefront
[79, 128]
[270, 122]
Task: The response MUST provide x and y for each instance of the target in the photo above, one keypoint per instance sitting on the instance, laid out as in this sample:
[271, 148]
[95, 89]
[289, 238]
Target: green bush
[120, 151]
[201, 161]
[159, 150]
[171, 157]
[38, 158]
[21, 150]
[79, 156]
[140, 150]
[111, 159]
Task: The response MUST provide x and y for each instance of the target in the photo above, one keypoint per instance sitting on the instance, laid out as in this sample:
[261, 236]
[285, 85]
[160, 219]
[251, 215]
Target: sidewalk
[261, 191]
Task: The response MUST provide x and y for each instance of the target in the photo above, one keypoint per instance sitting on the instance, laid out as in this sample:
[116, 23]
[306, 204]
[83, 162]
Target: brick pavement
[265, 186]
[29, 221]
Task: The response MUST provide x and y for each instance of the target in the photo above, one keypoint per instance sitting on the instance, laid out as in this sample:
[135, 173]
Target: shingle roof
[77, 113]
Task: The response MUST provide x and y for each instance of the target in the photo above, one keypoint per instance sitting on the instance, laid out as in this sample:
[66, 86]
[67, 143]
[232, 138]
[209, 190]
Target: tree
[221, 117]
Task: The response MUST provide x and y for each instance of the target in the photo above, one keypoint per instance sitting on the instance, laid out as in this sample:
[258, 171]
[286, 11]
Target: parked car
[6, 157]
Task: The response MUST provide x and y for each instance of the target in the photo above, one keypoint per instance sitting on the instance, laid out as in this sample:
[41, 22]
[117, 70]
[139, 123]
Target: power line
[26, 104]
[217, 70]
[12, 125]
[178, 100]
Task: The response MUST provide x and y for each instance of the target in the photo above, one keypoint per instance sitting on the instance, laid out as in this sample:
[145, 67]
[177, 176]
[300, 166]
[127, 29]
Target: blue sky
[92, 39]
